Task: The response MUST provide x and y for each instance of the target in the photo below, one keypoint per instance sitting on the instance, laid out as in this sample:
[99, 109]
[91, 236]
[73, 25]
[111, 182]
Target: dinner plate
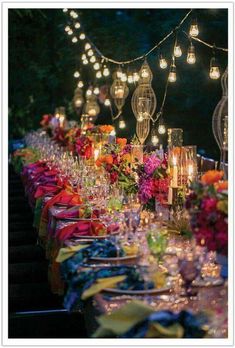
[138, 292]
[111, 259]
[207, 282]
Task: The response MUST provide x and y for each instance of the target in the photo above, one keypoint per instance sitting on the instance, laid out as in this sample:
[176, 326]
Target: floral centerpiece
[208, 208]
[116, 159]
[153, 180]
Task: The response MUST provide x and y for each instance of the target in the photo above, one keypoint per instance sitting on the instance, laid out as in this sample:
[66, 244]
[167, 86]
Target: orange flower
[126, 157]
[221, 186]
[108, 159]
[121, 141]
[212, 176]
[106, 128]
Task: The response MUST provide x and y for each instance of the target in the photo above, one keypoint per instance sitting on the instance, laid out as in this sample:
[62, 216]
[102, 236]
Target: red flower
[113, 177]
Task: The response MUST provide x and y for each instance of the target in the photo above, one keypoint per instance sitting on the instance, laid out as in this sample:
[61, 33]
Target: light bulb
[107, 102]
[162, 62]
[214, 73]
[154, 139]
[78, 102]
[194, 31]
[90, 53]
[93, 59]
[130, 79]
[144, 73]
[82, 36]
[76, 74]
[96, 90]
[67, 28]
[96, 66]
[136, 77]
[70, 32]
[85, 61]
[89, 92]
[123, 77]
[177, 51]
[140, 118]
[80, 84]
[214, 69]
[122, 124]
[161, 129]
[172, 73]
[106, 71]
[72, 13]
[83, 56]
[191, 57]
[74, 39]
[77, 25]
[65, 10]
[98, 74]
[119, 74]
[87, 46]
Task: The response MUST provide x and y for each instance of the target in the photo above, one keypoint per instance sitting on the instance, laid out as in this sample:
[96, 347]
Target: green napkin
[123, 319]
[66, 253]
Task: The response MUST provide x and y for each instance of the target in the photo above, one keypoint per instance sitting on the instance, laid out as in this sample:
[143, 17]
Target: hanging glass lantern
[91, 107]
[191, 57]
[78, 99]
[144, 101]
[119, 91]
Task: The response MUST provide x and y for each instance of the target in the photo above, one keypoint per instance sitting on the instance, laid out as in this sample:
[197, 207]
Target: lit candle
[92, 112]
[119, 93]
[175, 172]
[62, 118]
[96, 154]
[170, 196]
[190, 172]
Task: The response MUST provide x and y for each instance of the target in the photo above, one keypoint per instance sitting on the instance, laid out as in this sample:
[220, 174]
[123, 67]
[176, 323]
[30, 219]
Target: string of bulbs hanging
[91, 54]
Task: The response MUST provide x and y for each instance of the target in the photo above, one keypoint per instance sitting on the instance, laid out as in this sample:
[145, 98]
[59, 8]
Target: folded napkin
[81, 211]
[81, 228]
[80, 282]
[42, 190]
[66, 253]
[138, 320]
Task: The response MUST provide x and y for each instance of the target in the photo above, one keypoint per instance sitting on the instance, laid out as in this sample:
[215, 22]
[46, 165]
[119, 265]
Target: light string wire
[214, 47]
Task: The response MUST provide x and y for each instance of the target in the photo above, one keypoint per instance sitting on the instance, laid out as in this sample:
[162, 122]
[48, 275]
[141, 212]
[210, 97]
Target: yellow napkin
[132, 313]
[66, 253]
[101, 284]
[131, 249]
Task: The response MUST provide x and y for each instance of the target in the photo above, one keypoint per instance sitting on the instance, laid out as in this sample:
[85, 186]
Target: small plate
[138, 292]
[207, 282]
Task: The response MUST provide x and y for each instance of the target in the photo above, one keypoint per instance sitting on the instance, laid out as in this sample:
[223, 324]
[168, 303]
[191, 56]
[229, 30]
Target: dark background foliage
[42, 61]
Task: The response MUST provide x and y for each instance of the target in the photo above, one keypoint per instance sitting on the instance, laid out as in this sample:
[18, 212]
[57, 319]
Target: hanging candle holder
[78, 99]
[119, 92]
[144, 102]
[92, 108]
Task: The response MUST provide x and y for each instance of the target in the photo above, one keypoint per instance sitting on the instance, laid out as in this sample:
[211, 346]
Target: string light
[172, 74]
[67, 28]
[191, 57]
[214, 69]
[136, 77]
[96, 66]
[77, 25]
[70, 32]
[76, 74]
[98, 74]
[106, 71]
[84, 56]
[107, 102]
[130, 78]
[65, 10]
[96, 90]
[177, 51]
[162, 62]
[80, 84]
[161, 129]
[122, 123]
[87, 46]
[194, 31]
[123, 77]
[90, 53]
[154, 137]
[93, 59]
[85, 61]
[74, 39]
[89, 92]
[119, 73]
[82, 36]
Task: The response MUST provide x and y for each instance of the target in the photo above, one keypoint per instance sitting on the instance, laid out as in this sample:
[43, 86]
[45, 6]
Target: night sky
[42, 61]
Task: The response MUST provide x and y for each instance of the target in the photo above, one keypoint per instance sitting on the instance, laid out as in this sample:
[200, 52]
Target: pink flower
[146, 190]
[209, 204]
[151, 164]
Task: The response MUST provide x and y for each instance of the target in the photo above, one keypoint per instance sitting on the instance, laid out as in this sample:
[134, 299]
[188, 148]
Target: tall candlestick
[175, 173]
